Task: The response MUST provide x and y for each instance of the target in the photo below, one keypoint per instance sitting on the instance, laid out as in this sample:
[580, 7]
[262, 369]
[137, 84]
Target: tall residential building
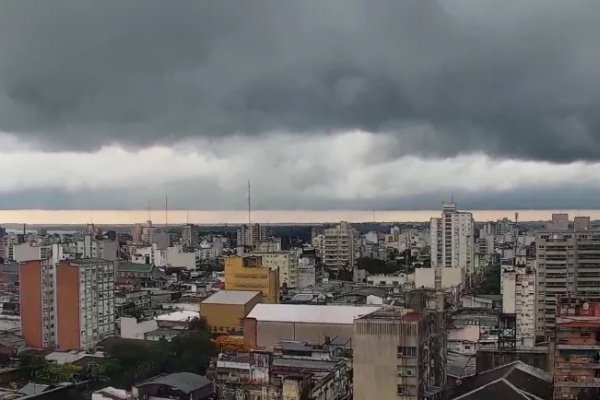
[248, 273]
[190, 235]
[284, 262]
[399, 354]
[37, 303]
[518, 298]
[70, 307]
[338, 246]
[567, 264]
[577, 343]
[251, 235]
[452, 239]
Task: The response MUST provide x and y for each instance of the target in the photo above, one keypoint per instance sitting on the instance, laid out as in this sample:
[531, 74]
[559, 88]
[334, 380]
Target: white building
[338, 246]
[29, 251]
[306, 272]
[452, 238]
[286, 262]
[177, 257]
[438, 278]
[518, 298]
[90, 247]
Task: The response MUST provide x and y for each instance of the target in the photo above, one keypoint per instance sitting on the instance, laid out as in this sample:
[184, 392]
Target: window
[406, 390]
[404, 351]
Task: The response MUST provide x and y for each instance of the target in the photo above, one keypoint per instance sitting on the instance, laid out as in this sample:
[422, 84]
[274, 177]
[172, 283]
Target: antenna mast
[166, 211]
[249, 203]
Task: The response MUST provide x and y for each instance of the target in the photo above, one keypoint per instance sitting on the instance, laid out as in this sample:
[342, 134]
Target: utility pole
[166, 212]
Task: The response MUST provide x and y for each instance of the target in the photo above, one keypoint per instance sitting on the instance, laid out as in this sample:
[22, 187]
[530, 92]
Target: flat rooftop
[308, 313]
[231, 297]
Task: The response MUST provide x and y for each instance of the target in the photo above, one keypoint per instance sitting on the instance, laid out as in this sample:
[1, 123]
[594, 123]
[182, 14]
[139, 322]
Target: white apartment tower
[338, 246]
[452, 239]
[518, 298]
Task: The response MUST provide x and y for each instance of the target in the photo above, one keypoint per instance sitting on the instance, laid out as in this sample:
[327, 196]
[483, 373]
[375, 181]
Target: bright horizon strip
[215, 217]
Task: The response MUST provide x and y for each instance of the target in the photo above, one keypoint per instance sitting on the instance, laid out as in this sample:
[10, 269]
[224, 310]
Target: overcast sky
[329, 104]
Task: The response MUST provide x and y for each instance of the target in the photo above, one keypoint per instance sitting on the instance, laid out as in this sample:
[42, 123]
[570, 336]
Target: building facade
[577, 343]
[248, 273]
[251, 235]
[68, 307]
[338, 246]
[452, 239]
[190, 235]
[399, 354]
[285, 263]
[518, 298]
[567, 264]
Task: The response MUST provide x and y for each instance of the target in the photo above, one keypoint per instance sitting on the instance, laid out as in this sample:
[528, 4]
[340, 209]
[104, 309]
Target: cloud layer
[445, 78]
[288, 172]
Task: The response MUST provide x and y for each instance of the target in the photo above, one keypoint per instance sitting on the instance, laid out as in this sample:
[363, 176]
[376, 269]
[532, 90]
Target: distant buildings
[284, 262]
[399, 354]
[452, 239]
[251, 235]
[70, 306]
[190, 235]
[567, 259]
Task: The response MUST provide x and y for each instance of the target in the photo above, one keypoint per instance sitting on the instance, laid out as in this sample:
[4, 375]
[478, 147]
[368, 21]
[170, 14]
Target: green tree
[490, 283]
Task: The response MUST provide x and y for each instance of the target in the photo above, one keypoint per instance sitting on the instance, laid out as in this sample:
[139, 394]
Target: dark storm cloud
[516, 79]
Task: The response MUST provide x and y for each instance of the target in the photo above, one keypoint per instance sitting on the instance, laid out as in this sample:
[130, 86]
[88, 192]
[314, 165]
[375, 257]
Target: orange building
[70, 307]
[36, 288]
[225, 310]
[248, 273]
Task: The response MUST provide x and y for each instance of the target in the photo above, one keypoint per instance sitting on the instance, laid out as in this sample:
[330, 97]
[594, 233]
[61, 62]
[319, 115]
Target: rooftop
[178, 316]
[516, 380]
[89, 261]
[132, 267]
[186, 382]
[231, 297]
[325, 314]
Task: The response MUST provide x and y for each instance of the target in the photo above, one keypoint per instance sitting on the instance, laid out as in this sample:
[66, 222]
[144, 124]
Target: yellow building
[225, 310]
[286, 262]
[248, 273]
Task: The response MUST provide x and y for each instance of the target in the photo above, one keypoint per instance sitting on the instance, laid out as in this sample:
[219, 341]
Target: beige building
[338, 246]
[225, 310]
[567, 261]
[269, 324]
[399, 354]
[285, 263]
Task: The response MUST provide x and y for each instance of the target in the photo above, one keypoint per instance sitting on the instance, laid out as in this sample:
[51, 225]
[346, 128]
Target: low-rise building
[225, 310]
[179, 386]
[269, 324]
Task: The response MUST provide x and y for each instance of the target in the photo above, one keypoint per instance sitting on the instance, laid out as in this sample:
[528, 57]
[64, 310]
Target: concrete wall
[132, 329]
[268, 334]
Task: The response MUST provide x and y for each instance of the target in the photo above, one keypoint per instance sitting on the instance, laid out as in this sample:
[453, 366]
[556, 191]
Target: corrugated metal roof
[325, 314]
[231, 297]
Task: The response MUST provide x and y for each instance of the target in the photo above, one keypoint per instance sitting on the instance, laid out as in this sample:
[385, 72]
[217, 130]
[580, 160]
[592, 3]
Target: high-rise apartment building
[577, 342]
[452, 239]
[518, 298]
[37, 303]
[70, 306]
[399, 354]
[251, 235]
[191, 235]
[338, 246]
[567, 264]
